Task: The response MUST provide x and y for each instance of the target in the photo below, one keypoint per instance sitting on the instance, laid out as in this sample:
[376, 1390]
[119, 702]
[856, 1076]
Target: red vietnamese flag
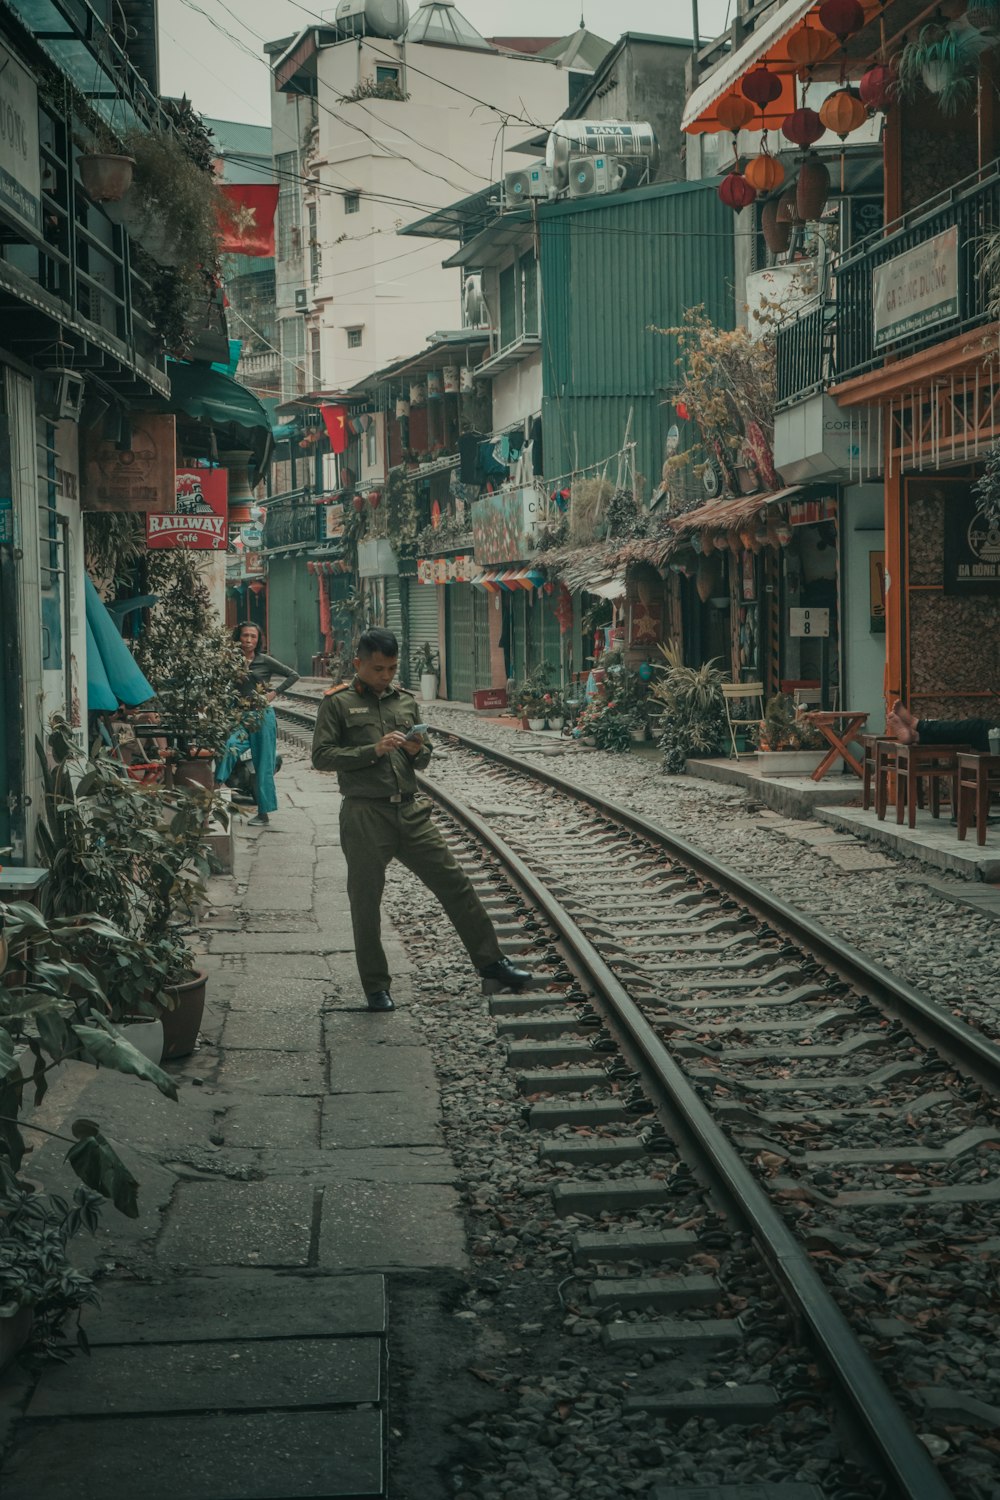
[246, 218]
[335, 422]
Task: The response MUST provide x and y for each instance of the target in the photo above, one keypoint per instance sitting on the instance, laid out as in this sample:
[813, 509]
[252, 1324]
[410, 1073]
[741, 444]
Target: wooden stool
[930, 763]
[978, 783]
[884, 753]
[869, 783]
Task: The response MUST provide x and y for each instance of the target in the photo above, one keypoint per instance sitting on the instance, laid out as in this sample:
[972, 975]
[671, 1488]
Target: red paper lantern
[735, 192]
[808, 47]
[843, 112]
[802, 127]
[842, 17]
[877, 87]
[680, 407]
[733, 112]
[761, 86]
[310, 567]
[374, 499]
[764, 173]
[256, 588]
[358, 504]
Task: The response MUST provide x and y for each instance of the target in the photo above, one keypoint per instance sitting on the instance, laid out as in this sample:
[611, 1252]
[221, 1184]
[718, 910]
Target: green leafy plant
[691, 709]
[426, 661]
[944, 60]
[36, 1273]
[785, 727]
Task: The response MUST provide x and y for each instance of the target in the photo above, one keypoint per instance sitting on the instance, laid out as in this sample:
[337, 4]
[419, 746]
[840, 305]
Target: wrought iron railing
[836, 341]
[804, 354]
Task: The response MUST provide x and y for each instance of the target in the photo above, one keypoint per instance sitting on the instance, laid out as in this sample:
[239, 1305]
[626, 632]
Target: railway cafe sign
[20, 173]
[916, 290]
[200, 520]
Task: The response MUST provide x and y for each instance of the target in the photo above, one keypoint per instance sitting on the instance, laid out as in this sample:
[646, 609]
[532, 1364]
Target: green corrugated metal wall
[610, 268]
[293, 613]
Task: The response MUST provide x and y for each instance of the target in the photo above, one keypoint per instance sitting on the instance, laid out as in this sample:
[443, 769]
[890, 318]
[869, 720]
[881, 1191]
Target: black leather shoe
[380, 1000]
[507, 974]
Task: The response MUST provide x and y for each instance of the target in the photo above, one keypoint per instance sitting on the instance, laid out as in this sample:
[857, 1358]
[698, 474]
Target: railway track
[686, 1022]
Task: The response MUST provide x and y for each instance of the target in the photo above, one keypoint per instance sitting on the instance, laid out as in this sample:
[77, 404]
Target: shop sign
[916, 290]
[808, 622]
[141, 478]
[200, 520]
[376, 559]
[490, 698]
[971, 547]
[332, 522]
[462, 569]
[20, 172]
[503, 525]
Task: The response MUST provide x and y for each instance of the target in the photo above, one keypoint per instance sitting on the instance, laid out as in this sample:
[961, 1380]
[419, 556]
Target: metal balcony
[804, 353]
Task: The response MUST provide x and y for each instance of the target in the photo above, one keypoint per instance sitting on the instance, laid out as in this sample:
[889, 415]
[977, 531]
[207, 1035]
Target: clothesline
[621, 455]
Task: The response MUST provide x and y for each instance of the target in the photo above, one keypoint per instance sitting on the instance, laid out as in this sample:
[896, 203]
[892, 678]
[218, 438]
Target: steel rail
[930, 1022]
[902, 1452]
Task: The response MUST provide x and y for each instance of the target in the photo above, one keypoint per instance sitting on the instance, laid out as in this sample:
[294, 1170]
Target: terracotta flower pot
[194, 772]
[106, 178]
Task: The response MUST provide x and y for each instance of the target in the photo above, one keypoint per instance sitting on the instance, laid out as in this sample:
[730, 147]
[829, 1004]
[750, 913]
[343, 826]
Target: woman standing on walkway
[264, 738]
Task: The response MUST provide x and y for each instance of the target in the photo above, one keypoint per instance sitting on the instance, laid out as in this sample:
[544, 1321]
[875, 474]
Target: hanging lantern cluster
[802, 127]
[734, 112]
[761, 87]
[841, 17]
[735, 191]
[843, 112]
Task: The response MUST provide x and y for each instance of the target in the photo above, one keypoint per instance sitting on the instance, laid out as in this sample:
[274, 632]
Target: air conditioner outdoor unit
[591, 176]
[301, 300]
[528, 182]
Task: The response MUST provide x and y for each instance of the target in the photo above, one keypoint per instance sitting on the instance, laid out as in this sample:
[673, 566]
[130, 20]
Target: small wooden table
[837, 728]
[978, 783]
[931, 763]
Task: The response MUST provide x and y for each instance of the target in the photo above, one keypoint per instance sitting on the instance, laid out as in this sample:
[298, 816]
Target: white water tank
[388, 18]
[631, 142]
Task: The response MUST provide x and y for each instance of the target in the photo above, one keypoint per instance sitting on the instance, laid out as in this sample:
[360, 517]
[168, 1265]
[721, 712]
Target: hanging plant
[945, 61]
[987, 488]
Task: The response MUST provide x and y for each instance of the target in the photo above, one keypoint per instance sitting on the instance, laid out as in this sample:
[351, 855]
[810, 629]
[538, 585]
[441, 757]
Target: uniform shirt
[351, 721]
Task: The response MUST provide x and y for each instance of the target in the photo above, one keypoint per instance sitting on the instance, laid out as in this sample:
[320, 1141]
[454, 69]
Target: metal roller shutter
[485, 619]
[422, 620]
[461, 642]
[394, 610]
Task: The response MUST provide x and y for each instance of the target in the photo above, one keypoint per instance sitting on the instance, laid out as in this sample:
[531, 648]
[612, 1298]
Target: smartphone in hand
[417, 732]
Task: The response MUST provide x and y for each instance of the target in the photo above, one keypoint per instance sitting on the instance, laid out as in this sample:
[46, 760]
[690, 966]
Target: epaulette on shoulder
[341, 687]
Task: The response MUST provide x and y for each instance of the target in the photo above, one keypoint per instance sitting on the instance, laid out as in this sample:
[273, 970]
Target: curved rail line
[901, 1452]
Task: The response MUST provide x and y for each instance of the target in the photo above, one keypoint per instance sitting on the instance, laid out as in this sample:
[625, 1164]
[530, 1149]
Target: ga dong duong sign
[916, 290]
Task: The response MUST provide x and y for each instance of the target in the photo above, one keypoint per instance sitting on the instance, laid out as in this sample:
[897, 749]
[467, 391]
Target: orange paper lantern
[764, 172]
[808, 47]
[733, 112]
[843, 112]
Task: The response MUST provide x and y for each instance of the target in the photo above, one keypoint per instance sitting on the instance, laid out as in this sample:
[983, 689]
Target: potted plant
[692, 711]
[40, 1287]
[945, 60]
[106, 175]
[426, 665]
[638, 724]
[555, 712]
[787, 744]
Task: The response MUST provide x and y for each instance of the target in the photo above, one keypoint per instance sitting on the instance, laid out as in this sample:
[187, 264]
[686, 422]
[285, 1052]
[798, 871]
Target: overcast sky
[211, 49]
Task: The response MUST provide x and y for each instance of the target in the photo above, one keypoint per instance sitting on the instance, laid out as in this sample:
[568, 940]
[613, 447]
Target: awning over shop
[767, 45]
[113, 674]
[729, 515]
[510, 579]
[206, 395]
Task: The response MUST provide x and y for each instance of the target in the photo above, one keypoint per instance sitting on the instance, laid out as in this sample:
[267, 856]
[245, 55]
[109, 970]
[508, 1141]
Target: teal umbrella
[113, 674]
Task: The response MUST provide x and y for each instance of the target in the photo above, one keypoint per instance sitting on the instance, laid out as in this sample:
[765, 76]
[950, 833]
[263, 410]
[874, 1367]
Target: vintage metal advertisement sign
[141, 477]
[200, 520]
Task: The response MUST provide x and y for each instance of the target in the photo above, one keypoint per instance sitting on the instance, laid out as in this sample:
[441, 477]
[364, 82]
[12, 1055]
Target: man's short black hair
[377, 639]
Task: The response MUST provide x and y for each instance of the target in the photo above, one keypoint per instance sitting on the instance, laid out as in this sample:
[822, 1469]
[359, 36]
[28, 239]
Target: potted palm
[787, 744]
[691, 711]
[427, 666]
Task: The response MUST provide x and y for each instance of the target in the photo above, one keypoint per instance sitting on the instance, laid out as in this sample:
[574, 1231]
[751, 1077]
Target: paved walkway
[241, 1346]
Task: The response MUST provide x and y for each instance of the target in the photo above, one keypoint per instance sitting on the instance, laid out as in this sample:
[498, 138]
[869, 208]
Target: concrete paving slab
[235, 1375]
[933, 841]
[251, 1456]
[382, 1226]
[332, 939]
[282, 1123]
[376, 1068]
[274, 1072]
[287, 893]
[238, 1304]
[262, 969]
[355, 1120]
[416, 1164]
[353, 1028]
[238, 1224]
[257, 993]
[285, 1029]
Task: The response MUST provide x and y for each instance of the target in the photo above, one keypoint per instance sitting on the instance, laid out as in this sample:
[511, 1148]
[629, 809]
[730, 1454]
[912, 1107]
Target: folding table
[837, 728]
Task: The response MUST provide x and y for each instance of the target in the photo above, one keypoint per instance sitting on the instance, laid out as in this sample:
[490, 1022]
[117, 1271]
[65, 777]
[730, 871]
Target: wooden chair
[978, 784]
[741, 692]
[884, 751]
[870, 742]
[931, 763]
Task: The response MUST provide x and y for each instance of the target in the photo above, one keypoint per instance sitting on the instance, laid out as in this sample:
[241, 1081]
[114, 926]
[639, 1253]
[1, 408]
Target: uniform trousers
[375, 831]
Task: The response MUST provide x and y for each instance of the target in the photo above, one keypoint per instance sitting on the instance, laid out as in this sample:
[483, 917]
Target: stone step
[669, 1293]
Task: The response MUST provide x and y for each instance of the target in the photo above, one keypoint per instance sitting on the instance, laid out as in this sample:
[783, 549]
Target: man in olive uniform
[363, 733]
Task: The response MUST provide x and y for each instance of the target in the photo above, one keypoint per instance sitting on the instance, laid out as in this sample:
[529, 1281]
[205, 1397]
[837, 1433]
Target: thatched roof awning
[729, 515]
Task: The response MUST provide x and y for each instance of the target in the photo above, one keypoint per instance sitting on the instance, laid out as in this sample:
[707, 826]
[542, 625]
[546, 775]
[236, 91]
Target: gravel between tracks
[892, 913]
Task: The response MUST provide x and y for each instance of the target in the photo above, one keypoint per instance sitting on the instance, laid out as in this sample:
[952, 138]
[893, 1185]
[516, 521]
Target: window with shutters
[292, 344]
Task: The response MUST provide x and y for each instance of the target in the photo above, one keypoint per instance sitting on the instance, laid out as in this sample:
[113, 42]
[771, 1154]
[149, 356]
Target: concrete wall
[864, 649]
[517, 392]
[647, 82]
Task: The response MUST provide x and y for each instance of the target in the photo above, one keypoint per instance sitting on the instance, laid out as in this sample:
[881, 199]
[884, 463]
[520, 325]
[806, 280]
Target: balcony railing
[837, 342]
